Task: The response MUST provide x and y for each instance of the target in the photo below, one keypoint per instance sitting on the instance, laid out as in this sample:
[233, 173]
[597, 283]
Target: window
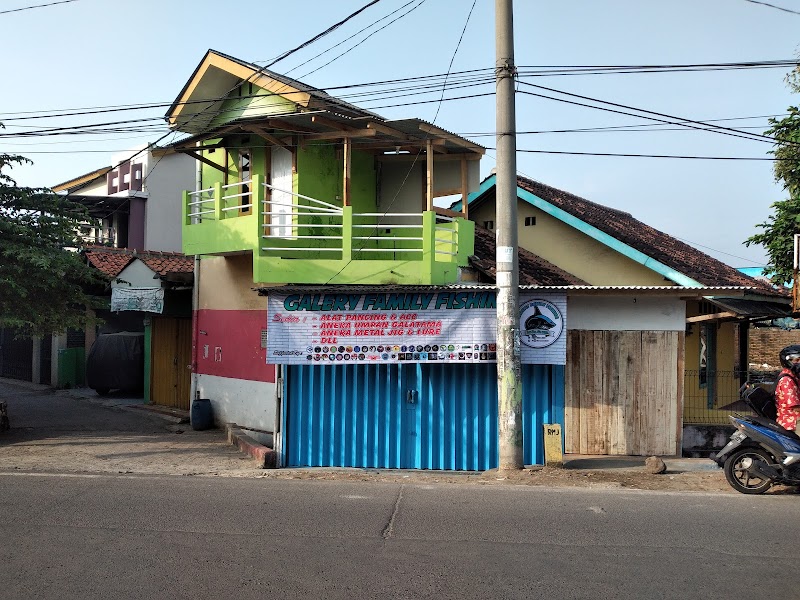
[244, 177]
[529, 221]
[488, 224]
[708, 361]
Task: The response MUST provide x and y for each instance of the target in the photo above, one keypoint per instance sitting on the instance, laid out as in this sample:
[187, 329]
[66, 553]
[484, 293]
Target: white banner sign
[444, 326]
[143, 299]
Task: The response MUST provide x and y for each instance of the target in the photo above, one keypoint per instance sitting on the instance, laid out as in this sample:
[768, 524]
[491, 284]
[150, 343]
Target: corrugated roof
[753, 309]
[608, 290]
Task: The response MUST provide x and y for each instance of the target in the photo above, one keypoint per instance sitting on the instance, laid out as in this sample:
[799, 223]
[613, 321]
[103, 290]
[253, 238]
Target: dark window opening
[244, 177]
[488, 224]
[529, 221]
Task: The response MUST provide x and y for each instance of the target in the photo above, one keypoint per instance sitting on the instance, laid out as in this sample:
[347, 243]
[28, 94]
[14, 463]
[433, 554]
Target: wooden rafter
[464, 188]
[413, 156]
[201, 158]
[286, 126]
[385, 130]
[275, 141]
[331, 123]
[429, 175]
[332, 135]
[712, 317]
[346, 172]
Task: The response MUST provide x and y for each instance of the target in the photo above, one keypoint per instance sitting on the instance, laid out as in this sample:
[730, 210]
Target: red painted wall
[229, 344]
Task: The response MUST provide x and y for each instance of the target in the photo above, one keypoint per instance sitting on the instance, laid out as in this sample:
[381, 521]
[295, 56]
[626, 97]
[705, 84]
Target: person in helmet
[787, 392]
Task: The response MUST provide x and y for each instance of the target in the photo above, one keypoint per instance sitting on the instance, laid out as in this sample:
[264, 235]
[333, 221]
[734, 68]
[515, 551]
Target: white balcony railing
[292, 222]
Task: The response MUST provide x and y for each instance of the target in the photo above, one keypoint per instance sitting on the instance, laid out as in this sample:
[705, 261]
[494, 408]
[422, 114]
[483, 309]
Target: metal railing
[298, 224]
[316, 220]
[201, 206]
[446, 236]
[710, 396]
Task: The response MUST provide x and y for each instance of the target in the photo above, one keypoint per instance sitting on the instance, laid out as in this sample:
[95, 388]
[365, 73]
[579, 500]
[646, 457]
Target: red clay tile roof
[533, 270]
[109, 261]
[165, 263]
[112, 261]
[656, 244]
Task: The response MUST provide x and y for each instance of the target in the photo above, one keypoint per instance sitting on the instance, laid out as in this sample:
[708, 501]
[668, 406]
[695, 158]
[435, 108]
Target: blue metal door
[415, 416]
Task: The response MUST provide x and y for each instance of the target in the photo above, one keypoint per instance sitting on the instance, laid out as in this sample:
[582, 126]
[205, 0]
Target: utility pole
[509, 370]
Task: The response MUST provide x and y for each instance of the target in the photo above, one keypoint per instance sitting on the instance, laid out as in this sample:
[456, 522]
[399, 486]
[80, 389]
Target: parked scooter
[760, 452]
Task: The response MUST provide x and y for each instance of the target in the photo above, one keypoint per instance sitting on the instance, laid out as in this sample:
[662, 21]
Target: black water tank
[201, 415]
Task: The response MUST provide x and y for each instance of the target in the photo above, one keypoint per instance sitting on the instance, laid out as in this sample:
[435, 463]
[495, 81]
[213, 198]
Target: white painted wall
[246, 403]
[98, 188]
[625, 313]
[165, 181]
[138, 275]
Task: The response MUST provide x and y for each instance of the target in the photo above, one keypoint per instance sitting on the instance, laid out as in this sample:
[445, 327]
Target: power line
[321, 35]
[261, 70]
[419, 152]
[577, 70]
[409, 11]
[3, 12]
[794, 12]
[347, 39]
[618, 154]
[672, 120]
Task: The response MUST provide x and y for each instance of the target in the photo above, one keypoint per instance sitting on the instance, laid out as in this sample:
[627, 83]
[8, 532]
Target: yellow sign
[553, 456]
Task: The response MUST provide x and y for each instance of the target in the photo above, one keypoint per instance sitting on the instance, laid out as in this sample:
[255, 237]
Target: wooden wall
[624, 392]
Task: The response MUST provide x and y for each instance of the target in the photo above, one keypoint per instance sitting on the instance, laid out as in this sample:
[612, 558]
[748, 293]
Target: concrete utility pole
[509, 371]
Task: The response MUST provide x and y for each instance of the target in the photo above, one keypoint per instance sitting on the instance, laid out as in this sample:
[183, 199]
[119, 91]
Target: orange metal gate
[171, 351]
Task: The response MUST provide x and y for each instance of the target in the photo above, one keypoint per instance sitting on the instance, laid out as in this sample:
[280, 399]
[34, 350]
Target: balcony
[298, 239]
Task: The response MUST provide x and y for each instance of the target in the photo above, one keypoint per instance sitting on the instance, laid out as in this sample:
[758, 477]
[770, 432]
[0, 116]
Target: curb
[265, 457]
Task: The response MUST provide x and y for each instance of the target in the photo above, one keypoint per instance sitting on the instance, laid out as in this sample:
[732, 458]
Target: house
[706, 347]
[338, 313]
[348, 321]
[131, 203]
[132, 208]
[151, 292]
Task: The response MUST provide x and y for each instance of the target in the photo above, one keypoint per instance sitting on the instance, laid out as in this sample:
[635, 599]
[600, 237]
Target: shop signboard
[380, 327]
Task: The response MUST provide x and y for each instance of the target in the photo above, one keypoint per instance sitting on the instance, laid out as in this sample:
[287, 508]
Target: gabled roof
[216, 75]
[533, 270]
[81, 180]
[112, 261]
[676, 260]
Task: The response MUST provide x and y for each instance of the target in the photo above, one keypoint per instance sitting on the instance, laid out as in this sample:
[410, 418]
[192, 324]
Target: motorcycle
[760, 453]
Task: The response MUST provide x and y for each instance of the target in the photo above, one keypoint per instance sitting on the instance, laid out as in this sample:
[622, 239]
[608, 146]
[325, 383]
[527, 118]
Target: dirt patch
[634, 478]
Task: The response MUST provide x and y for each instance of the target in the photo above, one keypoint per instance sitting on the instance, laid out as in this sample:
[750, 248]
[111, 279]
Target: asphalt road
[102, 536]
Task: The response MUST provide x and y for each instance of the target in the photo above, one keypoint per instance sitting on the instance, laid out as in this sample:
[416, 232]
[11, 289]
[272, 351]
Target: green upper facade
[318, 190]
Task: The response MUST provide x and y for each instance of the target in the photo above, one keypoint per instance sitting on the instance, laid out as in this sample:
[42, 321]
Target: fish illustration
[538, 323]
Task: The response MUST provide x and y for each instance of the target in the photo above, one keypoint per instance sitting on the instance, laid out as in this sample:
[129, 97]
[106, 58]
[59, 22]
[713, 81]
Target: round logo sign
[540, 323]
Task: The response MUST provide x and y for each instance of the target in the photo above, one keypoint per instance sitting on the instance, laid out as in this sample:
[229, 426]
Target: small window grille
[488, 224]
[529, 221]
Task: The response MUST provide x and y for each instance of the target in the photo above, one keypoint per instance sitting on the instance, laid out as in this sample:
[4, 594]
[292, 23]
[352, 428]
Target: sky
[102, 53]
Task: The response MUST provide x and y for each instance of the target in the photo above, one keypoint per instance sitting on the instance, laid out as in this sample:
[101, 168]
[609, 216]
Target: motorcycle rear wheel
[738, 474]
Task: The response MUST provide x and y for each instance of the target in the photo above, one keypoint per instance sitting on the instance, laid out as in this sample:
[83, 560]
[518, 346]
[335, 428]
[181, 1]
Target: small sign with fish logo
[541, 323]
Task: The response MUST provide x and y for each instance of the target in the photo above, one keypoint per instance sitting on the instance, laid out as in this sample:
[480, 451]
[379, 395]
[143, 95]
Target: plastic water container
[201, 415]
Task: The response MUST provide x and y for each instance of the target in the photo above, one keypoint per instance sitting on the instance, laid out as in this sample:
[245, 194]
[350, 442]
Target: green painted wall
[319, 169]
[265, 103]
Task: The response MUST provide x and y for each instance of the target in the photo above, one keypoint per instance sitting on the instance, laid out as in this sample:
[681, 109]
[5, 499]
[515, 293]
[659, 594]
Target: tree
[45, 285]
[780, 228]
